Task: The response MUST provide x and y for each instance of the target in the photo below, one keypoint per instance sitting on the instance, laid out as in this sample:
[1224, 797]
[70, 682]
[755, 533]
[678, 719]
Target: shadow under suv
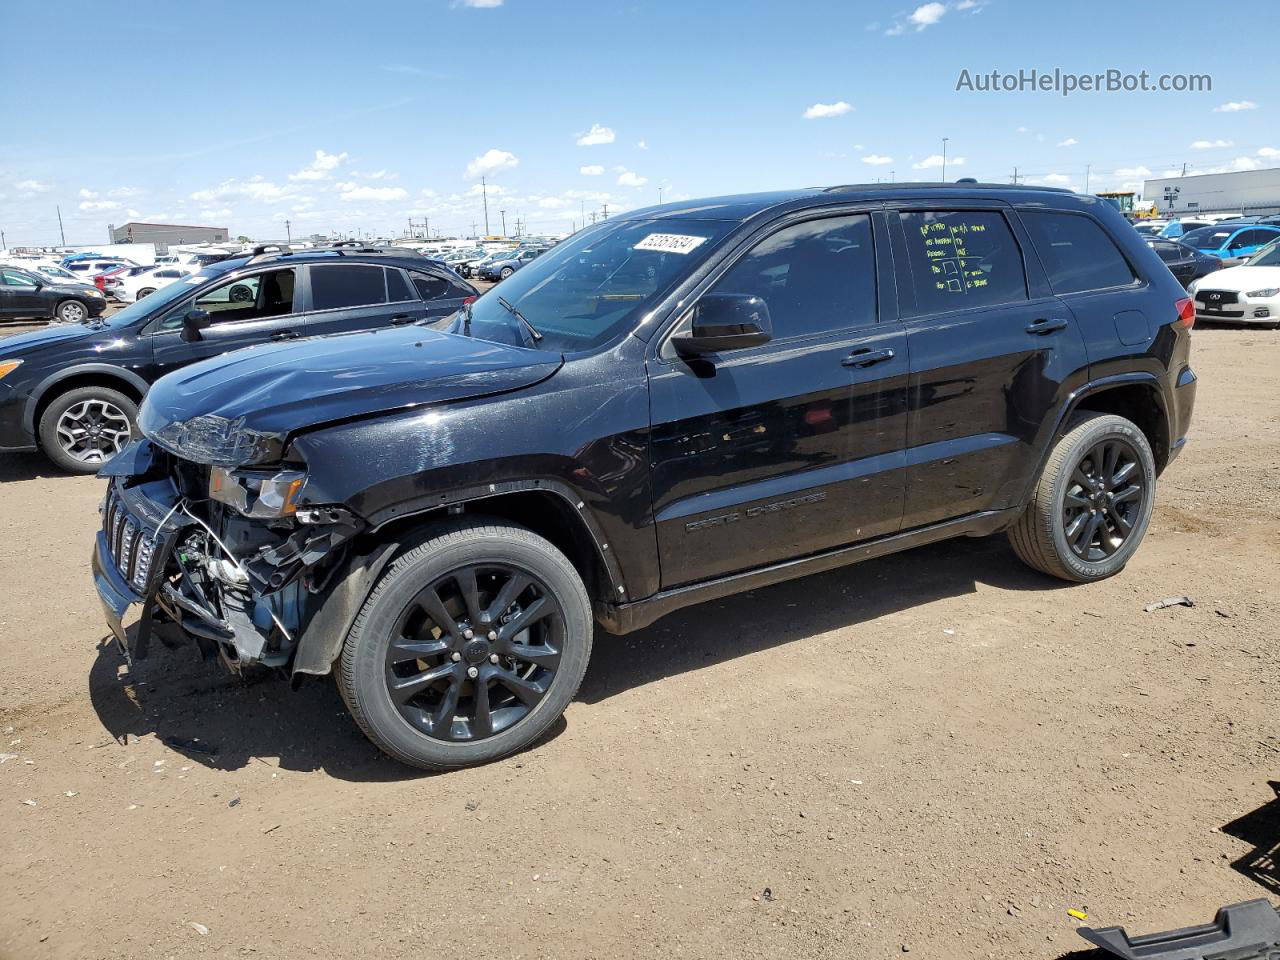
[671, 406]
[72, 391]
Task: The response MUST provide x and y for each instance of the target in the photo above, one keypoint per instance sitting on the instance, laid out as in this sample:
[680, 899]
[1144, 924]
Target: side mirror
[725, 321]
[193, 323]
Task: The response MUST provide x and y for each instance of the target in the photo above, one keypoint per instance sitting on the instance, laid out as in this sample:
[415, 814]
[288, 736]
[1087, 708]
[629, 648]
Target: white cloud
[1053, 180]
[255, 189]
[596, 135]
[1210, 144]
[321, 167]
[87, 194]
[642, 145]
[876, 160]
[930, 162]
[33, 186]
[132, 214]
[927, 15]
[1069, 142]
[1235, 106]
[121, 193]
[822, 110]
[481, 4]
[1132, 172]
[220, 214]
[591, 170]
[376, 175]
[1269, 152]
[92, 206]
[351, 191]
[491, 161]
[629, 178]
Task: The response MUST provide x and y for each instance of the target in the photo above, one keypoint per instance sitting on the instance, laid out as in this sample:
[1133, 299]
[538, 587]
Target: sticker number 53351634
[670, 243]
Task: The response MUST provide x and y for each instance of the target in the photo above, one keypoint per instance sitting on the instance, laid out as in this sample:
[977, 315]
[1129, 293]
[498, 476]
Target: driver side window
[255, 297]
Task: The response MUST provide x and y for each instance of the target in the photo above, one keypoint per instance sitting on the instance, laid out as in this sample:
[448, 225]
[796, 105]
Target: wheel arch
[547, 508]
[83, 375]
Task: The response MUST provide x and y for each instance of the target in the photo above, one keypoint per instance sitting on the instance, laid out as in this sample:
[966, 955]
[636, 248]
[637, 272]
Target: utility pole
[484, 193]
[288, 231]
[659, 196]
[891, 175]
[504, 221]
[62, 233]
[1184, 168]
[1087, 168]
[944, 158]
[1015, 176]
[474, 235]
[606, 212]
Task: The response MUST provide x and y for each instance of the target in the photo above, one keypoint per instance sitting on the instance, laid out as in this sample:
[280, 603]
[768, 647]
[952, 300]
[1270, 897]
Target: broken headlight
[212, 439]
[264, 495]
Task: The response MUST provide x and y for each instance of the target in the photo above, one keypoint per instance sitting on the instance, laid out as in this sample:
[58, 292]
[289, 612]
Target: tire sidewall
[63, 306]
[506, 273]
[47, 428]
[405, 579]
[1091, 433]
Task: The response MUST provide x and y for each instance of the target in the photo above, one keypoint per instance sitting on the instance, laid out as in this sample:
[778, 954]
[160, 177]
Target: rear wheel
[146, 292]
[83, 428]
[469, 648]
[1092, 504]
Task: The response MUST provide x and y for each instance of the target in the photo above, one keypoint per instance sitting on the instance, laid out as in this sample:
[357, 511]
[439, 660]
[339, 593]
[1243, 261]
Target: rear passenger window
[430, 288]
[397, 288]
[961, 259]
[816, 277]
[1076, 252]
[347, 285]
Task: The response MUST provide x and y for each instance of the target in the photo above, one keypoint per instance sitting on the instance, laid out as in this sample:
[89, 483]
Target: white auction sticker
[670, 243]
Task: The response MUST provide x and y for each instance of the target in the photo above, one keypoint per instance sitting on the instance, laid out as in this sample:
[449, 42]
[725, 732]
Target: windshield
[1268, 256]
[150, 305]
[582, 292]
[1206, 238]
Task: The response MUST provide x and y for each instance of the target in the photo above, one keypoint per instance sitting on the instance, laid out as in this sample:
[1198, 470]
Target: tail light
[1186, 313]
[100, 283]
[469, 301]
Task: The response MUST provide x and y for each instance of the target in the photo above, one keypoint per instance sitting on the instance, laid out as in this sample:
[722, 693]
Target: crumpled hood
[278, 389]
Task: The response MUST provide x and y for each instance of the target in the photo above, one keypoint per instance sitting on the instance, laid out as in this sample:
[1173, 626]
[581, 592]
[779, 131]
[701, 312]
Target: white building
[1249, 191]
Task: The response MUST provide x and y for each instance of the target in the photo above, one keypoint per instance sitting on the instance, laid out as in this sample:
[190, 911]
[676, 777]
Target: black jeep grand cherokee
[674, 405]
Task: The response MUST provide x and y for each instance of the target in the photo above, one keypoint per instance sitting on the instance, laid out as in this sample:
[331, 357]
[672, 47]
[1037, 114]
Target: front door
[244, 311]
[794, 446]
[989, 357]
[20, 295]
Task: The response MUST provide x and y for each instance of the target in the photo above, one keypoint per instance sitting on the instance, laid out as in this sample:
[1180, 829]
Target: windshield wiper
[533, 331]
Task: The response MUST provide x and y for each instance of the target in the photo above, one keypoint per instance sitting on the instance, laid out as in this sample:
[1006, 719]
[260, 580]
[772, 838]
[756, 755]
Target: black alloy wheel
[474, 652]
[1104, 500]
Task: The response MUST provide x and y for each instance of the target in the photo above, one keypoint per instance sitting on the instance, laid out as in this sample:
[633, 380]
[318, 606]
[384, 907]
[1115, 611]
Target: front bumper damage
[243, 590]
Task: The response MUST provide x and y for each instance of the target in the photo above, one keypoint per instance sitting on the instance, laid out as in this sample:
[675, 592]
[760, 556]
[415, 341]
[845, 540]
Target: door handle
[866, 357]
[284, 335]
[1047, 325]
[400, 318]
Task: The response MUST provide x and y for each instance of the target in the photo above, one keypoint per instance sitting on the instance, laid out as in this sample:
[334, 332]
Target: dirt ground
[939, 752]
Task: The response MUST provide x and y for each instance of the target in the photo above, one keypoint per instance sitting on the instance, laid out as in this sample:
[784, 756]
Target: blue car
[1230, 241]
[501, 269]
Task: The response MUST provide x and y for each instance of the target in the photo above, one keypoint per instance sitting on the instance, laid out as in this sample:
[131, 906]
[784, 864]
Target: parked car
[670, 406]
[1176, 228]
[135, 286]
[501, 269]
[52, 272]
[73, 392]
[471, 268]
[1229, 242]
[1149, 228]
[1184, 262]
[24, 293]
[1249, 293]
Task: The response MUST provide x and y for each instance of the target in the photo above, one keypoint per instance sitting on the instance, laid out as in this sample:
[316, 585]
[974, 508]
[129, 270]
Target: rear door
[245, 310]
[441, 295]
[344, 297]
[792, 447]
[1179, 258]
[20, 294]
[993, 354]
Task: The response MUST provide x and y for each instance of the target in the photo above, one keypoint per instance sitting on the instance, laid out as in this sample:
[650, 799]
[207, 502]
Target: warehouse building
[164, 234]
[1248, 192]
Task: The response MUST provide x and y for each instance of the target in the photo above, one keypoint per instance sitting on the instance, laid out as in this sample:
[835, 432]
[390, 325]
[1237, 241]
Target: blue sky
[347, 116]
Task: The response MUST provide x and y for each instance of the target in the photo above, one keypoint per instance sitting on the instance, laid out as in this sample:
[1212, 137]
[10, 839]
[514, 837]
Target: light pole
[944, 158]
[659, 196]
[484, 193]
[504, 222]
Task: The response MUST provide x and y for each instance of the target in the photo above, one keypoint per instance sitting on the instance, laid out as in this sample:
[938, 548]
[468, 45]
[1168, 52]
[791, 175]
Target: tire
[506, 272]
[240, 294]
[71, 311]
[395, 624]
[1063, 506]
[144, 292]
[110, 409]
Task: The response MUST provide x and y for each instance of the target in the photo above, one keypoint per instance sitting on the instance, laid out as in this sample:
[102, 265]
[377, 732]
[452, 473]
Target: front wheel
[469, 648]
[84, 428]
[1092, 504]
[506, 272]
[71, 311]
[145, 292]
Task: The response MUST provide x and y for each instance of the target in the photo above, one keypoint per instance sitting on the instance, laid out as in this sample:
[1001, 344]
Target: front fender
[80, 369]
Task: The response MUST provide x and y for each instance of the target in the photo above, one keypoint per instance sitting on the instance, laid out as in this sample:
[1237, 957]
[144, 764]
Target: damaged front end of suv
[215, 549]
